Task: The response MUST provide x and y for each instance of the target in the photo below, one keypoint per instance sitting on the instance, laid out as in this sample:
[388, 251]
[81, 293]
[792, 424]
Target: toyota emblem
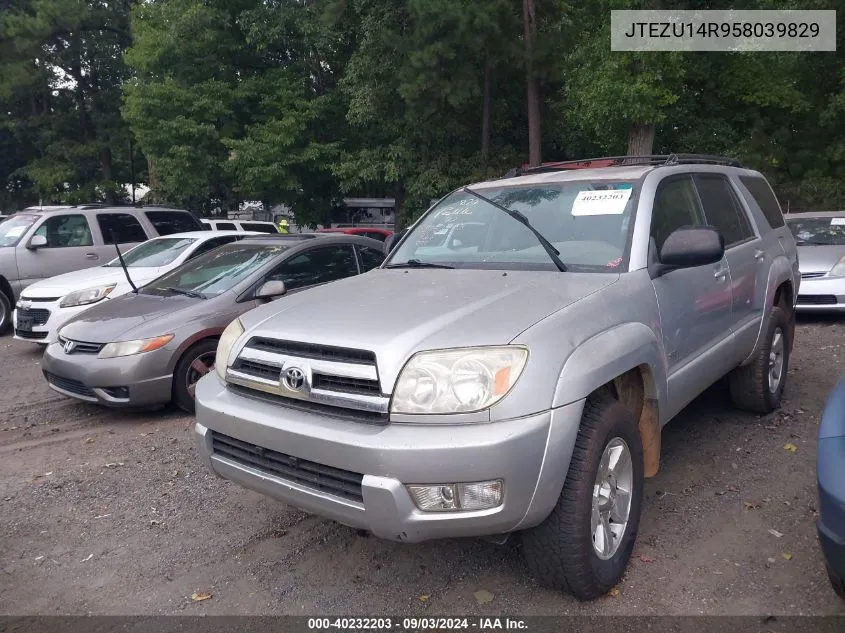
[294, 378]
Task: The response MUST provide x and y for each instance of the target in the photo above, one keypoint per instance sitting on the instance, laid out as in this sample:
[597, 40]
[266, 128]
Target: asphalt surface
[108, 512]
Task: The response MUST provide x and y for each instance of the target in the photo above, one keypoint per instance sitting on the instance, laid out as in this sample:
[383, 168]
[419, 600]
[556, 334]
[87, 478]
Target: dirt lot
[111, 513]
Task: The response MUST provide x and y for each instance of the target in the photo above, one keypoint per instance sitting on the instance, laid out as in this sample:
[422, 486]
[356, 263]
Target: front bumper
[46, 331]
[531, 455]
[821, 294]
[102, 380]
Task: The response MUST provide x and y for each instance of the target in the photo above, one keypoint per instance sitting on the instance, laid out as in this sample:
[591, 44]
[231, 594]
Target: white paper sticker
[837, 221]
[16, 231]
[608, 202]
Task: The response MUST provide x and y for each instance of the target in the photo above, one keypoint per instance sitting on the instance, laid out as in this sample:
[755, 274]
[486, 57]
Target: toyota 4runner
[515, 379]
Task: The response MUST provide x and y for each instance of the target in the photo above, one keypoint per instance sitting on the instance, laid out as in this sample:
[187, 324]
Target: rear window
[765, 199]
[169, 222]
[258, 226]
[123, 226]
[225, 226]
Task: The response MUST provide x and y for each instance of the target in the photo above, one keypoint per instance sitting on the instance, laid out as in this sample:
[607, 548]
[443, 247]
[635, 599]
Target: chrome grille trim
[334, 377]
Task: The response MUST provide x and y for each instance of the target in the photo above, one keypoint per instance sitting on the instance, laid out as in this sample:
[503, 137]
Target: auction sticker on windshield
[611, 202]
[837, 221]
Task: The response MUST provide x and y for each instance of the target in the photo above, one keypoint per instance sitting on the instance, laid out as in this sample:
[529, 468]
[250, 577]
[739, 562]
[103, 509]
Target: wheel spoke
[192, 388]
[595, 520]
[200, 367]
[622, 508]
[607, 536]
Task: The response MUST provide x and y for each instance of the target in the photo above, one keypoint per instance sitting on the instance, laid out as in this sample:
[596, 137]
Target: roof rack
[654, 160]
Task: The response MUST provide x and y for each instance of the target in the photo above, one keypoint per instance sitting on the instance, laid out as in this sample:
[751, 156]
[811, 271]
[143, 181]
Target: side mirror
[36, 242]
[271, 290]
[690, 247]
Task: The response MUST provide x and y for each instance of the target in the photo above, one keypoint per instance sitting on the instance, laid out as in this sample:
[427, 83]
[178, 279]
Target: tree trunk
[485, 115]
[151, 173]
[532, 84]
[641, 139]
[106, 168]
[399, 212]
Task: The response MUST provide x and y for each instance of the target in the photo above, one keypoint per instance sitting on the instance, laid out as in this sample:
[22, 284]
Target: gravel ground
[109, 512]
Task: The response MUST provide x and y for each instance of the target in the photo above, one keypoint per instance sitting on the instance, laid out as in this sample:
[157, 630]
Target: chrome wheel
[776, 361]
[202, 364]
[612, 498]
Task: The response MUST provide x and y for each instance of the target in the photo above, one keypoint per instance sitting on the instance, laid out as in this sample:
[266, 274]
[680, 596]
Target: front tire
[5, 312]
[584, 545]
[195, 363]
[837, 583]
[758, 387]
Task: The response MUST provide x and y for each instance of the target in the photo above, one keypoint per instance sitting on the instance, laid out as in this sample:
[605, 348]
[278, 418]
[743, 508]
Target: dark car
[152, 347]
[831, 480]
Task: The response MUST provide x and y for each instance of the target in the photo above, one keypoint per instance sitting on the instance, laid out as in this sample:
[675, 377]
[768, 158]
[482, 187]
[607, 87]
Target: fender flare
[779, 272]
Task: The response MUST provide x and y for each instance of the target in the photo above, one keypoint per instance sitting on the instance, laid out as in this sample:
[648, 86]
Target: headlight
[227, 341]
[839, 269]
[128, 348]
[84, 297]
[457, 380]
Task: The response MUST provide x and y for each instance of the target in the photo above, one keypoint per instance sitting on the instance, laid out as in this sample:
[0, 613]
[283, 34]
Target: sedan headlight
[84, 297]
[839, 269]
[457, 380]
[128, 348]
[227, 341]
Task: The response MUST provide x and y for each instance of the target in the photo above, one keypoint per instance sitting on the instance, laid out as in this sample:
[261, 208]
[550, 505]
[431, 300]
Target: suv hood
[60, 285]
[395, 313]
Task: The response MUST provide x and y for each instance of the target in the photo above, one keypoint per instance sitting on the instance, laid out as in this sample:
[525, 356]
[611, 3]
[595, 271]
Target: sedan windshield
[13, 228]
[818, 231]
[215, 272]
[155, 253]
[586, 222]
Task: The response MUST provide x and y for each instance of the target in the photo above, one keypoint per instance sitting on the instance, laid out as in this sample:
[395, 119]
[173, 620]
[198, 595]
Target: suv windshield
[818, 231]
[586, 221]
[13, 228]
[215, 272]
[156, 252]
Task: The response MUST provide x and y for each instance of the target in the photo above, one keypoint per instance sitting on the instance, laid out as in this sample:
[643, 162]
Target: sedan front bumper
[129, 381]
[821, 294]
[239, 434]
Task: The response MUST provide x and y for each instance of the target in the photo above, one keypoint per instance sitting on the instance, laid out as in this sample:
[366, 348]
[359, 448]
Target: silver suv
[517, 379]
[42, 242]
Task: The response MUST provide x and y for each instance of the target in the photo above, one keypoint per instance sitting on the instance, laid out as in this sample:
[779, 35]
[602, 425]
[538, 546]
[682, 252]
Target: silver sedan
[821, 258]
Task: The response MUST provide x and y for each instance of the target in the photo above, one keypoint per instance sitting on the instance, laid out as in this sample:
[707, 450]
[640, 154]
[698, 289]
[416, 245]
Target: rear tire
[563, 552]
[197, 361]
[837, 583]
[5, 312]
[754, 387]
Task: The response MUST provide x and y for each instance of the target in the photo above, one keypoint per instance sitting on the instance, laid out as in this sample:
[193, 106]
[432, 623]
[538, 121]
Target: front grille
[259, 370]
[34, 336]
[333, 481]
[817, 300]
[314, 352]
[346, 385]
[812, 275]
[39, 316]
[69, 385]
[40, 299]
[81, 347]
[326, 410]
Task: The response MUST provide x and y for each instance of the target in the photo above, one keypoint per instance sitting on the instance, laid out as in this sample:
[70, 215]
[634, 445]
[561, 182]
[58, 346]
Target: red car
[374, 233]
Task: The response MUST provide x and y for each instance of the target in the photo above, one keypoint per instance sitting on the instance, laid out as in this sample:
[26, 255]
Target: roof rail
[653, 160]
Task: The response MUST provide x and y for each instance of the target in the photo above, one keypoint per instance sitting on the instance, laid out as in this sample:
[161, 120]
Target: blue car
[831, 478]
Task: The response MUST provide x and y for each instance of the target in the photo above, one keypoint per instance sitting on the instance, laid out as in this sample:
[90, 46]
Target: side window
[258, 226]
[370, 258]
[225, 226]
[169, 222]
[64, 231]
[675, 205]
[125, 226]
[316, 266]
[722, 209]
[210, 245]
[765, 199]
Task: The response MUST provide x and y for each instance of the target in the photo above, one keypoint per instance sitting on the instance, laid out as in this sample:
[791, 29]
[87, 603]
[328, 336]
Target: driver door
[70, 246]
[694, 303]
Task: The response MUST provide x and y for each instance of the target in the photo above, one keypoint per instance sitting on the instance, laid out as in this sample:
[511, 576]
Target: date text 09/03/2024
[417, 624]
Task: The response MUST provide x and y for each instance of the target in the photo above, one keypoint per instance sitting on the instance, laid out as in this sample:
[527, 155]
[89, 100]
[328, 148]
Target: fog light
[482, 495]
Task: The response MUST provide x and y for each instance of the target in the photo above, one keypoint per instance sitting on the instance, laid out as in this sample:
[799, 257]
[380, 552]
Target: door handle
[759, 255]
[721, 273]
[91, 256]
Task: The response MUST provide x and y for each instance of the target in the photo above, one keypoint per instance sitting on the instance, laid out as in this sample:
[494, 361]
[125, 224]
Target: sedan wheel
[194, 364]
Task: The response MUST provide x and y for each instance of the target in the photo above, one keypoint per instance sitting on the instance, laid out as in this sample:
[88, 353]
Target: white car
[45, 306]
[240, 225]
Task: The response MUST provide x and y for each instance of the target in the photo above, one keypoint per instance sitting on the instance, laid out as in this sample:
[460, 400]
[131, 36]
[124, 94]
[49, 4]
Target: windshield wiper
[187, 293]
[554, 254]
[415, 263]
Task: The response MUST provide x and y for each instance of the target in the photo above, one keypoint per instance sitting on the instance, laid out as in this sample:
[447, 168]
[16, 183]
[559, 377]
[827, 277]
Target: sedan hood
[60, 285]
[819, 259]
[395, 313]
[123, 318]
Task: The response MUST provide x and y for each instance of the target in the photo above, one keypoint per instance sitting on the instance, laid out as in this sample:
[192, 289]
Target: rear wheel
[194, 364]
[5, 312]
[584, 545]
[758, 386]
[837, 582]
